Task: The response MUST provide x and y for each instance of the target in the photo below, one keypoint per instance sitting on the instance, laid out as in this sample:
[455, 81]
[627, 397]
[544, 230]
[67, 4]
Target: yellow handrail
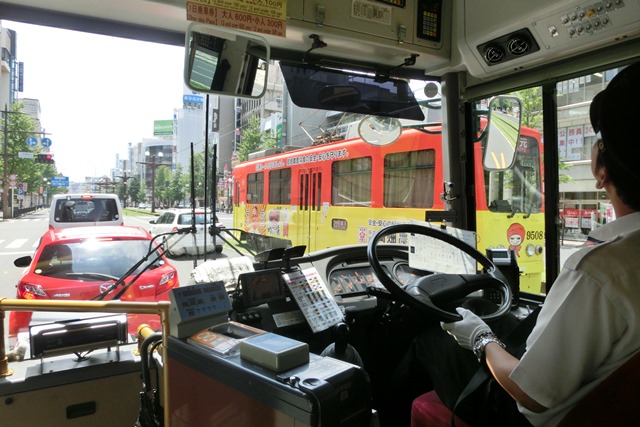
[160, 308]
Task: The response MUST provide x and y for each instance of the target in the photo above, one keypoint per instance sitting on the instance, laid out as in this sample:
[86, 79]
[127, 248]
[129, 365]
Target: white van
[82, 210]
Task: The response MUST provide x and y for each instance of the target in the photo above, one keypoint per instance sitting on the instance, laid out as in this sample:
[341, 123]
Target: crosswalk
[15, 244]
[11, 246]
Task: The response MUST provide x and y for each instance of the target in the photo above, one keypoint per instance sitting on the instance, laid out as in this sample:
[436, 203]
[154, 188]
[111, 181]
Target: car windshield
[109, 257]
[185, 219]
[85, 210]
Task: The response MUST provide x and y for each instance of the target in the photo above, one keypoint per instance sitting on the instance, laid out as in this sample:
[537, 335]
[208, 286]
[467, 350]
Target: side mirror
[23, 261]
[153, 221]
[225, 62]
[502, 133]
[377, 130]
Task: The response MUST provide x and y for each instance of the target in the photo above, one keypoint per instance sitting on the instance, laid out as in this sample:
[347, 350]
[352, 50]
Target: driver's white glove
[466, 331]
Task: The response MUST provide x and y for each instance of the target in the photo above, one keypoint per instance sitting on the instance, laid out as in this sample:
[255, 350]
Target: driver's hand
[466, 331]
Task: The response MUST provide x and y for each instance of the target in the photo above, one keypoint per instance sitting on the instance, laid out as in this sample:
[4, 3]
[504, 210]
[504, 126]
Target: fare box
[274, 352]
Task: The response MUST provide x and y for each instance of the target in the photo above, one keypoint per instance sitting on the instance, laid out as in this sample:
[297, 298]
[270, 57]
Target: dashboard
[355, 280]
[347, 272]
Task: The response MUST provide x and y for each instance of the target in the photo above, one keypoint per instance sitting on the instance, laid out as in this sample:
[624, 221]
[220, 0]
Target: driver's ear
[602, 177]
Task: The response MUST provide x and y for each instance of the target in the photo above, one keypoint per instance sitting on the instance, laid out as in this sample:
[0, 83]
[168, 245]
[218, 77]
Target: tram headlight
[531, 250]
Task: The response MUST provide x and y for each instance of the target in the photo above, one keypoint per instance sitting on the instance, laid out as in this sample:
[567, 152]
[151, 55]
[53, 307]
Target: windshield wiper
[99, 276]
[129, 272]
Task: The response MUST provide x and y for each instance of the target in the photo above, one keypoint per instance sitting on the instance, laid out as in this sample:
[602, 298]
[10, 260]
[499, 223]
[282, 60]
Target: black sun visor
[349, 91]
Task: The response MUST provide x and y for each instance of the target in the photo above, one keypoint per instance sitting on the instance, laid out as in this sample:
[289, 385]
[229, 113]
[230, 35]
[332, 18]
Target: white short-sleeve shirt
[589, 324]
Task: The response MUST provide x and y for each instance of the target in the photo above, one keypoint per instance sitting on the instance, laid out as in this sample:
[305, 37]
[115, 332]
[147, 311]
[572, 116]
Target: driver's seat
[613, 402]
[428, 410]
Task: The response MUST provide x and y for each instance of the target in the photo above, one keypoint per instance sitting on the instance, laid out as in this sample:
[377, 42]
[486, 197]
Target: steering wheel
[431, 293]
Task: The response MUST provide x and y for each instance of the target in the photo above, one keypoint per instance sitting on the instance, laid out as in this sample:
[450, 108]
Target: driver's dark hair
[614, 113]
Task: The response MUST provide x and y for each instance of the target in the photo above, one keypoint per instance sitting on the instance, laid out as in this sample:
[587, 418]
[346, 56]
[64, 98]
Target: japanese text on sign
[268, 8]
[260, 16]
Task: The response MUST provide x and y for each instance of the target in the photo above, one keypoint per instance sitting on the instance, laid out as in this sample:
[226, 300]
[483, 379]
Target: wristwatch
[481, 342]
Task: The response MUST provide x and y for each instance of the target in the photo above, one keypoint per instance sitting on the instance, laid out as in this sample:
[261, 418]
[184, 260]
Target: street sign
[59, 181]
[32, 141]
[46, 142]
[13, 177]
[25, 155]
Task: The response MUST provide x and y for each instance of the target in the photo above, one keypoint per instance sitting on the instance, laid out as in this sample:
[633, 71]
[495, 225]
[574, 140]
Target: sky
[96, 93]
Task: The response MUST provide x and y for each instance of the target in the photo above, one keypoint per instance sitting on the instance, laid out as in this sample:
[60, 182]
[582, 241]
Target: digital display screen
[200, 300]
[261, 287]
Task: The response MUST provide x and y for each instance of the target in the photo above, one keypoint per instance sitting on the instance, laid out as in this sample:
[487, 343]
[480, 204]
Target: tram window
[409, 179]
[280, 187]
[255, 187]
[351, 182]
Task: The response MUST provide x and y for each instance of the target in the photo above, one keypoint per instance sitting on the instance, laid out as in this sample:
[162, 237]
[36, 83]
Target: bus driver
[589, 324]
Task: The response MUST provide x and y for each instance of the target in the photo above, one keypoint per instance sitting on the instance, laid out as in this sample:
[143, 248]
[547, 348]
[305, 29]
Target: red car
[81, 263]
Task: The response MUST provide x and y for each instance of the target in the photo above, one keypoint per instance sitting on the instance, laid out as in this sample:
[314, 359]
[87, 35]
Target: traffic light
[44, 158]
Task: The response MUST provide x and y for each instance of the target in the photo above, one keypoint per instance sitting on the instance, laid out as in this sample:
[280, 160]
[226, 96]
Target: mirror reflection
[225, 62]
[377, 130]
[502, 132]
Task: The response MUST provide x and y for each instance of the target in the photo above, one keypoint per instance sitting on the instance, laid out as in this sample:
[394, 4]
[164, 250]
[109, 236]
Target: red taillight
[169, 280]
[174, 229]
[31, 291]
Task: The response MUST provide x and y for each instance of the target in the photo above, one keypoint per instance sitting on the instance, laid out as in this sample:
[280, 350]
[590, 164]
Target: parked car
[181, 244]
[83, 262]
[84, 210]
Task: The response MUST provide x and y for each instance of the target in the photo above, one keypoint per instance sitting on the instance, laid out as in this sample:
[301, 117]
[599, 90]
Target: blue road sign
[59, 181]
[46, 142]
[32, 141]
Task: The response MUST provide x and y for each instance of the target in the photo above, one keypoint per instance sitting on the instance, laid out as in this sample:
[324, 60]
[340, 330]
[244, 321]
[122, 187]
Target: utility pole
[153, 165]
[124, 178]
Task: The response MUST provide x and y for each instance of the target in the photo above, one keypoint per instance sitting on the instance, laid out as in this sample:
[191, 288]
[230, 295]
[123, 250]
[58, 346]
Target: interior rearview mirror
[225, 62]
[502, 133]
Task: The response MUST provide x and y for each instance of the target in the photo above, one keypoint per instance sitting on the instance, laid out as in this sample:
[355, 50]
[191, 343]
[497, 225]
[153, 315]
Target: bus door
[309, 207]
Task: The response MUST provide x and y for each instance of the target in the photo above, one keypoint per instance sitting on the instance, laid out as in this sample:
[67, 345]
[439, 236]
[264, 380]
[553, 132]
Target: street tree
[253, 139]
[180, 184]
[20, 126]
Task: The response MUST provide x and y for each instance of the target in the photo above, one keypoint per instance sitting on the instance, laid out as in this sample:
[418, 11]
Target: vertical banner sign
[562, 143]
[215, 113]
[20, 76]
[259, 16]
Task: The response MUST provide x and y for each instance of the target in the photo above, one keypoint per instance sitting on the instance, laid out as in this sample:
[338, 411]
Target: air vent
[508, 47]
[493, 54]
[518, 45]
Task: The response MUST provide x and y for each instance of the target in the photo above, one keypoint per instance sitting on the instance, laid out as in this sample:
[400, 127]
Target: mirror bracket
[408, 62]
[317, 44]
